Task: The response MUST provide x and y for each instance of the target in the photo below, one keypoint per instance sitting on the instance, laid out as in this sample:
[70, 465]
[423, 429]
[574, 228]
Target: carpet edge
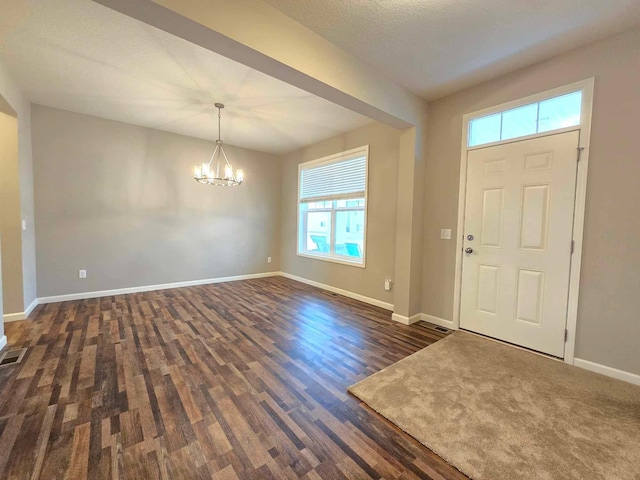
[438, 342]
[388, 419]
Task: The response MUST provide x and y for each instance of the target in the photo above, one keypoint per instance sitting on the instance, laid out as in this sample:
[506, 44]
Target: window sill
[327, 258]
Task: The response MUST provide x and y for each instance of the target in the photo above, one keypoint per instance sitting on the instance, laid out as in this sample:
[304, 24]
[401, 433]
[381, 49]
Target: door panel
[519, 208]
[492, 209]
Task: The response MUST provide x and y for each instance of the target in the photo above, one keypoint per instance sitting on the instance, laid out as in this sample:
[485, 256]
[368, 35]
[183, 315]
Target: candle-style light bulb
[228, 172]
[240, 175]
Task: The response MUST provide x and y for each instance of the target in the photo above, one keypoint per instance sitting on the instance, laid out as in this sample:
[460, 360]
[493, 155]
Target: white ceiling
[436, 47]
[81, 56]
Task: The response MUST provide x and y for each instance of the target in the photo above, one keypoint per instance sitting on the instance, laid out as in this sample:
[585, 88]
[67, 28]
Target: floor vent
[442, 329]
[12, 357]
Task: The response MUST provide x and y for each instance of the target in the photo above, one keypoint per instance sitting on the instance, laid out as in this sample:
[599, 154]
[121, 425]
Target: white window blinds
[343, 176]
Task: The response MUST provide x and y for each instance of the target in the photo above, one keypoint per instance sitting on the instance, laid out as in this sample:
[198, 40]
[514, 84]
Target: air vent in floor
[12, 357]
[442, 329]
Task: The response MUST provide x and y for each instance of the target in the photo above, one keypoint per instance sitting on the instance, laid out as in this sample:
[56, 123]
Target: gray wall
[120, 201]
[384, 143]
[609, 309]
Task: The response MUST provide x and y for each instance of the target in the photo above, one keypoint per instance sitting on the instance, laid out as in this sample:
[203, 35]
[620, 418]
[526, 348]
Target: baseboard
[3, 342]
[14, 317]
[441, 322]
[608, 371]
[406, 320]
[346, 293]
[30, 308]
[150, 288]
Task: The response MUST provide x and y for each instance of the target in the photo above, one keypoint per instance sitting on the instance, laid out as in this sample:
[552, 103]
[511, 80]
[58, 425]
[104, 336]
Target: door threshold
[519, 347]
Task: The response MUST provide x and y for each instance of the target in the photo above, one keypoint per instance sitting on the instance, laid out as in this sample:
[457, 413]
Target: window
[552, 114]
[332, 207]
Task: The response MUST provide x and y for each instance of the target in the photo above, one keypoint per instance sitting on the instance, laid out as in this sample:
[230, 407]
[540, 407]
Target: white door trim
[587, 87]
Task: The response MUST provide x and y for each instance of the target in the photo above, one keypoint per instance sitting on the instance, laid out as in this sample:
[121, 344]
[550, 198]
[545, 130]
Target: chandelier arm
[233, 175]
[225, 156]
[214, 154]
[218, 149]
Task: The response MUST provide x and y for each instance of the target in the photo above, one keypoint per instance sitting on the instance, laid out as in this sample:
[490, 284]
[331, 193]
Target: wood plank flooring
[239, 380]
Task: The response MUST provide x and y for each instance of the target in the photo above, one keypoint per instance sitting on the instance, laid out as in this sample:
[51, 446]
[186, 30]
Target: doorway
[549, 115]
[517, 238]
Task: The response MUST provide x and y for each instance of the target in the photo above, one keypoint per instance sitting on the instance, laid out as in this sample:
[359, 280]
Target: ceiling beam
[259, 36]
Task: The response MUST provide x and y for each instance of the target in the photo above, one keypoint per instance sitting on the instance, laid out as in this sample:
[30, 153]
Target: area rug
[497, 412]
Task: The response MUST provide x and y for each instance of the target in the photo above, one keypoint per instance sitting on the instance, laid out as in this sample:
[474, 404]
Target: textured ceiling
[81, 56]
[435, 47]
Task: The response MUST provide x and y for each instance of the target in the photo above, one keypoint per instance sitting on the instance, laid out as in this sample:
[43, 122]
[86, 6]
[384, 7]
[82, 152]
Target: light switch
[445, 234]
[24, 224]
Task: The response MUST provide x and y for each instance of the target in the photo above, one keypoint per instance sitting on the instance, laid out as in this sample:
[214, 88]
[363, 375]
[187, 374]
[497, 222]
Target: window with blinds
[332, 207]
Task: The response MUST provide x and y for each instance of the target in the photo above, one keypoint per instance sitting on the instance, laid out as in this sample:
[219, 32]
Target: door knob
[468, 250]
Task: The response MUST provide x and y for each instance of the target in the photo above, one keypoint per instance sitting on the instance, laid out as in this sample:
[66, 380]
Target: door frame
[587, 87]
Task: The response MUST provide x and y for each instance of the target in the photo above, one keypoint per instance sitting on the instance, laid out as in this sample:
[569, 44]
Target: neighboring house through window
[332, 207]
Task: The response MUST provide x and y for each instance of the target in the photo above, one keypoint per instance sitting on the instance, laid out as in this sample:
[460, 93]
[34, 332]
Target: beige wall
[1, 299]
[20, 106]
[120, 201]
[609, 309]
[10, 228]
[384, 143]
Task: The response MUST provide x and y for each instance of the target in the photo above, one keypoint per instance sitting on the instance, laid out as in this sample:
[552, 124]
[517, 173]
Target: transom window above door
[545, 116]
[332, 207]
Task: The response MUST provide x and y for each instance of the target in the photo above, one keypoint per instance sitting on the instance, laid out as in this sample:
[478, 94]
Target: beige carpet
[497, 412]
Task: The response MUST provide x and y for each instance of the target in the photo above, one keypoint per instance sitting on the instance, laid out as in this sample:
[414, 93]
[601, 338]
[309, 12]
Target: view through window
[332, 207]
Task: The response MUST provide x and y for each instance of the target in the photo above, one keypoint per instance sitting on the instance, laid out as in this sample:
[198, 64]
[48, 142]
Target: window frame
[585, 114]
[301, 222]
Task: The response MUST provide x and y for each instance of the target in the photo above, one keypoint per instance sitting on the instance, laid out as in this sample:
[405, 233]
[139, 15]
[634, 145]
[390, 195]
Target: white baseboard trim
[608, 371]
[3, 342]
[164, 286]
[346, 293]
[406, 320]
[14, 317]
[30, 308]
[150, 288]
[441, 322]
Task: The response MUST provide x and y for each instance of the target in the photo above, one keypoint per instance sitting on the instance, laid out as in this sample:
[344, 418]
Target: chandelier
[222, 175]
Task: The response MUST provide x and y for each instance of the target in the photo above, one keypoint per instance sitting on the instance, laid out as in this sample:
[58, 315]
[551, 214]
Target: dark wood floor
[239, 380]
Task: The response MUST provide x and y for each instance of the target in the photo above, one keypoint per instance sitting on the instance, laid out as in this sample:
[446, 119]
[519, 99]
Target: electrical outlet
[387, 284]
[82, 274]
[268, 259]
[24, 224]
[445, 234]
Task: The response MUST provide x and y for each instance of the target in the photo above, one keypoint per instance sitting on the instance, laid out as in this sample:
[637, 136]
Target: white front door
[517, 232]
